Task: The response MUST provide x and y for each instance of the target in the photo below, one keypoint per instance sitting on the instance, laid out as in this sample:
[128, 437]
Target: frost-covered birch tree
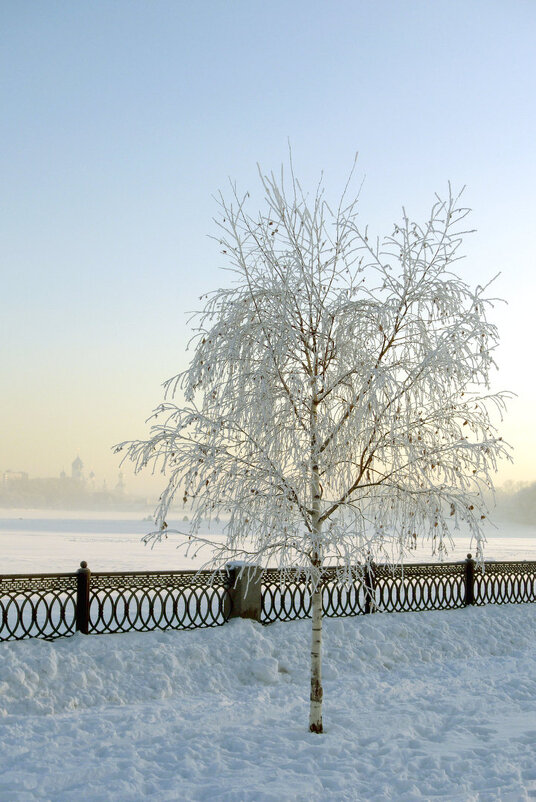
[337, 405]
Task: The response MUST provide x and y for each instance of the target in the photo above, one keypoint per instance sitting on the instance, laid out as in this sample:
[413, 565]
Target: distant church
[76, 469]
[89, 485]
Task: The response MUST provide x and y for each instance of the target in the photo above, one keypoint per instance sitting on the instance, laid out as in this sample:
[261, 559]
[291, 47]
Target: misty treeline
[64, 493]
[516, 501]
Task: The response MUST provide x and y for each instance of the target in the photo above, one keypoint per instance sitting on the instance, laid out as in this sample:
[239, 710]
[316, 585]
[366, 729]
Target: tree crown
[338, 398]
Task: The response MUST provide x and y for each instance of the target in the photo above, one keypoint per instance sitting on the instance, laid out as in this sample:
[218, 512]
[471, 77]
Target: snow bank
[418, 706]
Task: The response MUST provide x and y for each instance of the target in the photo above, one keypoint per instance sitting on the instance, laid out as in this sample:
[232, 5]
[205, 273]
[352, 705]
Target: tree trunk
[315, 709]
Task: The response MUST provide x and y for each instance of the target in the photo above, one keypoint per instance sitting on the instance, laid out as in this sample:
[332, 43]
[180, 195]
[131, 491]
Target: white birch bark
[315, 710]
[317, 692]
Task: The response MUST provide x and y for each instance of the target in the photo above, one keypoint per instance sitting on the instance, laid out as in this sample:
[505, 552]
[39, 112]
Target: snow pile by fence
[435, 705]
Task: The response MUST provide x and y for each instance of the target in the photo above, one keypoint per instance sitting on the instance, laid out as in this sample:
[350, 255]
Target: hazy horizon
[123, 120]
[513, 501]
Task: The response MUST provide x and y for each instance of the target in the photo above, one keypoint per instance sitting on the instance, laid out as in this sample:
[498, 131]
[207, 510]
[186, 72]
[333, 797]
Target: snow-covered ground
[47, 540]
[418, 706]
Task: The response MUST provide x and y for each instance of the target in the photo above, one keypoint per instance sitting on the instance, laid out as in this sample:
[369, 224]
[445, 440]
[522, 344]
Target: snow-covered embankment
[438, 705]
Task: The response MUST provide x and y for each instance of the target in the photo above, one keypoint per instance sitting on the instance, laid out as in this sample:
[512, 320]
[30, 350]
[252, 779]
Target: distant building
[76, 469]
[14, 476]
[120, 486]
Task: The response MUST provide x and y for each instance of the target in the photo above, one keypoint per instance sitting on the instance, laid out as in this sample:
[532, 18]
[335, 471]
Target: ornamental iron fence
[143, 601]
[37, 606]
[55, 605]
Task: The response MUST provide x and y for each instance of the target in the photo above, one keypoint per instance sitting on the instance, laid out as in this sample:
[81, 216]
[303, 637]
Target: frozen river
[48, 540]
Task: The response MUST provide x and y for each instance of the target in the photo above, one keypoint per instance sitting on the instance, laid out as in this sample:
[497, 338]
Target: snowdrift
[438, 705]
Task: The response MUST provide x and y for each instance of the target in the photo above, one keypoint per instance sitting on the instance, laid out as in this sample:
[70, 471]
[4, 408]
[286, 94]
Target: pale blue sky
[120, 121]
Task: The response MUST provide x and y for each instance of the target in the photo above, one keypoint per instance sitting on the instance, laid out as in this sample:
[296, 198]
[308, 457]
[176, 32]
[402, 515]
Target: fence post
[245, 586]
[82, 598]
[469, 580]
[369, 583]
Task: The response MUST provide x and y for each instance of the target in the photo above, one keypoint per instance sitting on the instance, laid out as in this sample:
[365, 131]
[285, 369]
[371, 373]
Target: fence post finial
[469, 580]
[82, 598]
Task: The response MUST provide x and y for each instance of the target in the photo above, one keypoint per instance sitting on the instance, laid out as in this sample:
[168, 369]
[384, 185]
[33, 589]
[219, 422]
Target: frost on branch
[337, 405]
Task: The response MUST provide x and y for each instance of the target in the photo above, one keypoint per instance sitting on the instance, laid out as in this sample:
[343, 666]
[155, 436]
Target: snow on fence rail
[56, 605]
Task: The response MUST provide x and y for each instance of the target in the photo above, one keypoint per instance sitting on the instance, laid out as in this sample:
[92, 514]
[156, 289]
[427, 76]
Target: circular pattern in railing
[419, 593]
[45, 605]
[290, 600]
[416, 587]
[506, 583]
[146, 607]
[341, 600]
[37, 614]
[286, 602]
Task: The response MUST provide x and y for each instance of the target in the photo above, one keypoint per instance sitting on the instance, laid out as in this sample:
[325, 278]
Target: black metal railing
[419, 587]
[37, 606]
[144, 601]
[55, 605]
[408, 588]
[291, 599]
[505, 583]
